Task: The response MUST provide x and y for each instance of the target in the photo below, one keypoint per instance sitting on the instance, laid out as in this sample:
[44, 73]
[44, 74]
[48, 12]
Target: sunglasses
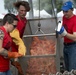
[14, 25]
[66, 11]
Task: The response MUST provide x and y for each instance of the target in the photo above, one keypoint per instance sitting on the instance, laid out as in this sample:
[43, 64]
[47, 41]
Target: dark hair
[23, 3]
[9, 18]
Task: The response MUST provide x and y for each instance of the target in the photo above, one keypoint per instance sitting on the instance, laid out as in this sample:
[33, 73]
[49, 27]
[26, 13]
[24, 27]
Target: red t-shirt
[21, 27]
[70, 26]
[4, 62]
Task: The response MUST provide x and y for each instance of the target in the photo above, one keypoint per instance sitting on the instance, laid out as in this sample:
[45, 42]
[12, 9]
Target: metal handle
[37, 56]
[51, 34]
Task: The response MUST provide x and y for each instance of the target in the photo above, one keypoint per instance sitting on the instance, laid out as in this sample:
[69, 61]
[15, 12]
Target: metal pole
[31, 15]
[58, 41]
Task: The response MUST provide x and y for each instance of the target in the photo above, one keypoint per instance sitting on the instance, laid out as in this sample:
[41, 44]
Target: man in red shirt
[22, 8]
[68, 31]
[9, 23]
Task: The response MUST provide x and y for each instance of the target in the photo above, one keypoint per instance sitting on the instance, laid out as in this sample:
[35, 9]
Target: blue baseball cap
[67, 5]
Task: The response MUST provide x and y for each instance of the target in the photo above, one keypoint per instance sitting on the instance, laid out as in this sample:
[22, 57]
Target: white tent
[43, 14]
[1, 16]
[74, 11]
[60, 14]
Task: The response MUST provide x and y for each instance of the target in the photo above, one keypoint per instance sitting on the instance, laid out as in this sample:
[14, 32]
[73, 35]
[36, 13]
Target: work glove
[18, 66]
[14, 54]
[18, 41]
[61, 30]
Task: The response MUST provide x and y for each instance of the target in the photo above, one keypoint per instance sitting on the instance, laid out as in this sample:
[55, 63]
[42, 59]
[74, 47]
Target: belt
[70, 43]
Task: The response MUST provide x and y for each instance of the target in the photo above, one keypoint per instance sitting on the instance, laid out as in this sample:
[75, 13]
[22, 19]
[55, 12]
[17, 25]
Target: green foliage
[59, 5]
[47, 5]
[75, 1]
[44, 4]
[8, 4]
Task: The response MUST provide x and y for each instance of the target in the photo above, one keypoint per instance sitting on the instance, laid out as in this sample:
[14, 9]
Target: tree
[8, 4]
[74, 3]
[47, 5]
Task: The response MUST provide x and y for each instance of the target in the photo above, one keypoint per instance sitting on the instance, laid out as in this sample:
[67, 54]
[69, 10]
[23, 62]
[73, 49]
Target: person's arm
[63, 32]
[18, 41]
[71, 36]
[4, 52]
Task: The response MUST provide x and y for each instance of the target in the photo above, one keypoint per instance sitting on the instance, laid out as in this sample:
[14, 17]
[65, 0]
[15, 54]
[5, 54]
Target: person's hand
[14, 54]
[62, 31]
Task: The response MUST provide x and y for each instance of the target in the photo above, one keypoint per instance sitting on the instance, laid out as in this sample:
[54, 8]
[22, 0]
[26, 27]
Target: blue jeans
[70, 56]
[6, 73]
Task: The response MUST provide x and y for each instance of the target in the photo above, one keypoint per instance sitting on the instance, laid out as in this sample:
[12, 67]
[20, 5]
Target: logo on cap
[65, 4]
